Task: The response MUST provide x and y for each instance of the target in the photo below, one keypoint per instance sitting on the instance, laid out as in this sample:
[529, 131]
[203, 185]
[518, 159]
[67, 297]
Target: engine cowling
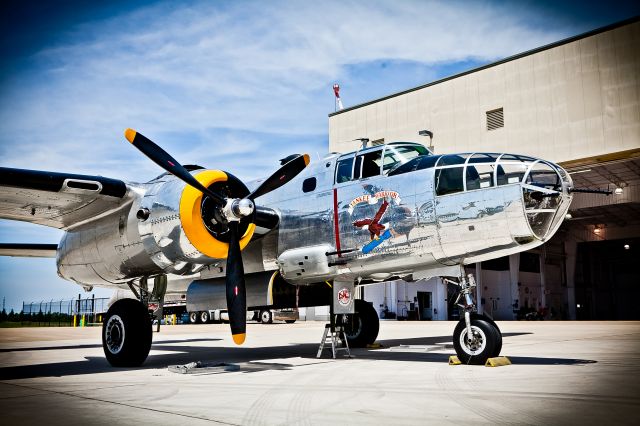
[179, 227]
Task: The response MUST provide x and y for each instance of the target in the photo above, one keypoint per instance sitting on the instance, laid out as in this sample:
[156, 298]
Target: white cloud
[196, 68]
[217, 82]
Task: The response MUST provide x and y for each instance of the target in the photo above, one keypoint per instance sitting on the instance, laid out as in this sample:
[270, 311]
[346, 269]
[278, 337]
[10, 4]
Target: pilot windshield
[396, 155]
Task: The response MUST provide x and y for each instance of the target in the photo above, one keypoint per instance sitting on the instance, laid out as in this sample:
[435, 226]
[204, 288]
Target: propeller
[284, 174]
[167, 162]
[232, 210]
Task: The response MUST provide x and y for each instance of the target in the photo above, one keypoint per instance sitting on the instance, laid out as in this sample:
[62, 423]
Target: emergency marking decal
[344, 296]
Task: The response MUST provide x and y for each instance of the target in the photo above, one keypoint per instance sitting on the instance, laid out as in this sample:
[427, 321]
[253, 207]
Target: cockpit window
[370, 164]
[480, 176]
[343, 170]
[449, 180]
[543, 175]
[401, 154]
[451, 160]
[418, 163]
[511, 168]
[483, 158]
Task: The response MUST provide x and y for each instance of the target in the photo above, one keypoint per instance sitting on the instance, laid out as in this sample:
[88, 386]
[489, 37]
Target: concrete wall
[576, 100]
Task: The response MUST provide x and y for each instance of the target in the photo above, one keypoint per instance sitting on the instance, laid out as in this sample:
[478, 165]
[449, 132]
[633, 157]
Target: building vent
[495, 119]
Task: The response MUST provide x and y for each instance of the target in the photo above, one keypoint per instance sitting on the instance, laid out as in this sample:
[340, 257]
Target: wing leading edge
[58, 200]
[28, 250]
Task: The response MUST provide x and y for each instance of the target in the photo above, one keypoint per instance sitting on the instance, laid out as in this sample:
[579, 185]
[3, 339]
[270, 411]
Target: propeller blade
[167, 162]
[236, 291]
[283, 175]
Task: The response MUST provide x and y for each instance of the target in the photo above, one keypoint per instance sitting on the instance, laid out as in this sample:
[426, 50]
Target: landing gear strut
[476, 338]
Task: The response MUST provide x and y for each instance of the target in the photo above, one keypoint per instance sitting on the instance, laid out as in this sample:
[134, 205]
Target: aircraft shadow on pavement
[175, 352]
[96, 345]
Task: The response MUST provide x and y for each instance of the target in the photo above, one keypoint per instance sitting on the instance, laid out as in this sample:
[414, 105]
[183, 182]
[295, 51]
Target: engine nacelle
[264, 289]
[178, 225]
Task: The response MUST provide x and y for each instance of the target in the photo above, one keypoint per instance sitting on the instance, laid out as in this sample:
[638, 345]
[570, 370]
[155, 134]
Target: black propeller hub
[212, 215]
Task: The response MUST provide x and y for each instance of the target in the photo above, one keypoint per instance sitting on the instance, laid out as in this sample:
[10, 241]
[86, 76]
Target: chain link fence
[59, 313]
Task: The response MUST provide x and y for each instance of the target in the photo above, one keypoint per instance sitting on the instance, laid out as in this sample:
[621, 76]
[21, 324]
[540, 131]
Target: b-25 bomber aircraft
[308, 232]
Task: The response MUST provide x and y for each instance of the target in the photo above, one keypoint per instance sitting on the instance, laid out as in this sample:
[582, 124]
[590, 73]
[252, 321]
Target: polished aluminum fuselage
[421, 234]
[429, 235]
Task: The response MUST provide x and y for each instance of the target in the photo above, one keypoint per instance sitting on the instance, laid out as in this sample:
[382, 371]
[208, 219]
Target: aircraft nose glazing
[546, 194]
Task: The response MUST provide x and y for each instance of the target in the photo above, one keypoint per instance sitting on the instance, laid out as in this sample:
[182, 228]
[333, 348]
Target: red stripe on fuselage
[336, 224]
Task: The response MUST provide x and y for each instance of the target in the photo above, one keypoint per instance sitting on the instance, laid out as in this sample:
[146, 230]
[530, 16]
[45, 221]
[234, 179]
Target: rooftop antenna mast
[336, 91]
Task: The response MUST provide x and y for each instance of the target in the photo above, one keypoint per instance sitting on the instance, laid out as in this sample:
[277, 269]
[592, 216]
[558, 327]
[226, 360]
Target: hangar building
[575, 102]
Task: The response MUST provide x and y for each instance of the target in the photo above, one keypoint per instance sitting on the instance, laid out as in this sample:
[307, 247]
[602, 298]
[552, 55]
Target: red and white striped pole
[336, 91]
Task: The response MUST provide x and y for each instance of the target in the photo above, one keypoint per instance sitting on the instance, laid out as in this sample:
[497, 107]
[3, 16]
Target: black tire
[194, 318]
[484, 346]
[126, 333]
[289, 321]
[204, 317]
[362, 327]
[266, 317]
[498, 345]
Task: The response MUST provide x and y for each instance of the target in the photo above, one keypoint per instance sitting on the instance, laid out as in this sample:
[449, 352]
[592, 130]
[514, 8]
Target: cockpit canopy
[466, 172]
[377, 160]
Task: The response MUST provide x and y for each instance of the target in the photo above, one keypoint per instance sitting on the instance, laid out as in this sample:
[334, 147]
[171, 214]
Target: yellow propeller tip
[239, 338]
[130, 134]
[307, 159]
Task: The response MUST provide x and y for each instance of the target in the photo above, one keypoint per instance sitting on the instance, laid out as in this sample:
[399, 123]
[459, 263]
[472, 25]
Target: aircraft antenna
[363, 141]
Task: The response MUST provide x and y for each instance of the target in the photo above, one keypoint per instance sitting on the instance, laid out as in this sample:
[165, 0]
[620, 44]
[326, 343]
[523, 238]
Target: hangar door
[608, 280]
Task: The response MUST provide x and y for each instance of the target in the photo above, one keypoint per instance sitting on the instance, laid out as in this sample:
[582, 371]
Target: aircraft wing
[58, 200]
[28, 250]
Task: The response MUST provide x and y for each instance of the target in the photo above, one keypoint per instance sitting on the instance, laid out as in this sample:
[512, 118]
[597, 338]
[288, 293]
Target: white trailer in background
[265, 316]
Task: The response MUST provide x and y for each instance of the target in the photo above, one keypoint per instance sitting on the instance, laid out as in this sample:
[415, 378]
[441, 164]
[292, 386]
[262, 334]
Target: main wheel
[362, 327]
[193, 317]
[289, 321]
[480, 346]
[126, 333]
[204, 317]
[266, 317]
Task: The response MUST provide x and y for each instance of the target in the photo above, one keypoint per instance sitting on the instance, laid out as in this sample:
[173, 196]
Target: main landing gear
[361, 328]
[127, 327]
[476, 338]
[126, 333]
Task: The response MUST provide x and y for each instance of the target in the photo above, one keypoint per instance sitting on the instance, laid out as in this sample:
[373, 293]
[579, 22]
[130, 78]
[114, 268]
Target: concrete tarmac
[562, 373]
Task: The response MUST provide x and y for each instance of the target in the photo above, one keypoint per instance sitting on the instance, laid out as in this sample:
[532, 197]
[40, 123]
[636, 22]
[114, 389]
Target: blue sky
[233, 85]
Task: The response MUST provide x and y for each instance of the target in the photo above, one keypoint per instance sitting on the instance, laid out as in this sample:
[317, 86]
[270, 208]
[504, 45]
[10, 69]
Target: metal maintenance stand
[342, 304]
[332, 333]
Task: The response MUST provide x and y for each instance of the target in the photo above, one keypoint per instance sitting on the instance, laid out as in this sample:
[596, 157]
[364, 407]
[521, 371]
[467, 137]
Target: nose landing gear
[476, 338]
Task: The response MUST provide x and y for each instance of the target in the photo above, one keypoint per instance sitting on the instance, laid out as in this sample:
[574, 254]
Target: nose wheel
[476, 338]
[480, 345]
